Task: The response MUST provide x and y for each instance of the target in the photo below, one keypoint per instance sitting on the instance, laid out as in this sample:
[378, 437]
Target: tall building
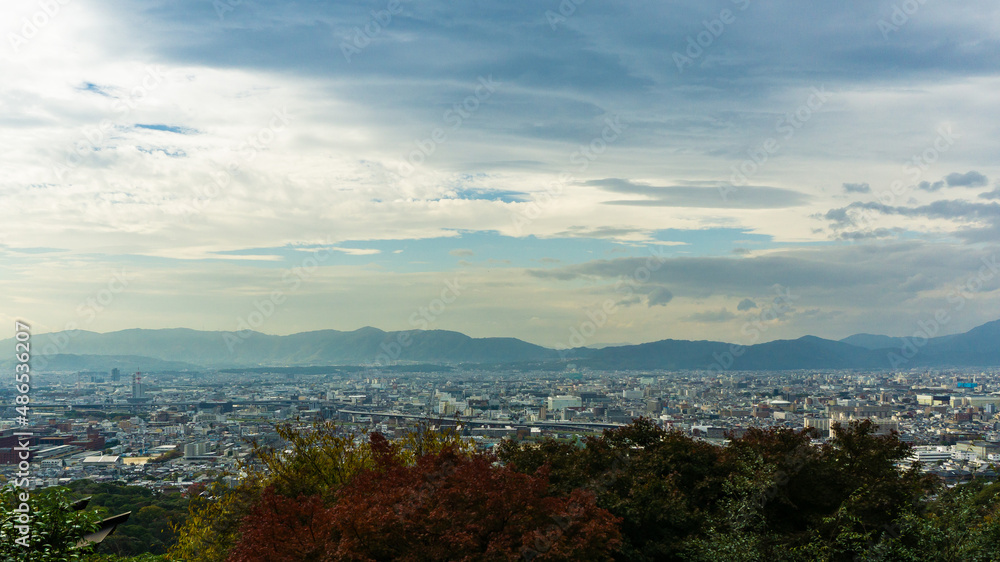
[137, 391]
[116, 374]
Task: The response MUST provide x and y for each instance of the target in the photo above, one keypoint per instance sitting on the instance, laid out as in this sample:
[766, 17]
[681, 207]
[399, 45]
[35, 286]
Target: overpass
[478, 422]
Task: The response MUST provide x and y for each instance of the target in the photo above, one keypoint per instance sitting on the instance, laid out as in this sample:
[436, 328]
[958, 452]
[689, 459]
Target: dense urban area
[167, 431]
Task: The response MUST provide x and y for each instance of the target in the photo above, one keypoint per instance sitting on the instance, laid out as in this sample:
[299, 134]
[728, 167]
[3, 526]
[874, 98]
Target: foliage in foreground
[445, 507]
[634, 493]
[150, 528]
[770, 495]
[55, 528]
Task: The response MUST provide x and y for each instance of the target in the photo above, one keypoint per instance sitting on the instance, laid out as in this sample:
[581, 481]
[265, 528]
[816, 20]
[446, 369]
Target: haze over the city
[502, 169]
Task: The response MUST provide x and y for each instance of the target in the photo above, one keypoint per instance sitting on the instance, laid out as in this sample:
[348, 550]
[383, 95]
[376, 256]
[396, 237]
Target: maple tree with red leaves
[447, 506]
[280, 529]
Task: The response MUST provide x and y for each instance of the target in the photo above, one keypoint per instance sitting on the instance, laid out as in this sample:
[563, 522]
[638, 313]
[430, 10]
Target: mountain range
[181, 348]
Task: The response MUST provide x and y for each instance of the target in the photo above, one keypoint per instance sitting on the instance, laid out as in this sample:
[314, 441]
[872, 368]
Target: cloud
[955, 179]
[857, 188]
[968, 179]
[928, 186]
[332, 174]
[462, 253]
[953, 210]
[839, 216]
[917, 282]
[746, 304]
[719, 195]
[659, 296]
[944, 209]
[721, 315]
[603, 232]
[854, 275]
[505, 196]
[358, 251]
[871, 234]
[166, 128]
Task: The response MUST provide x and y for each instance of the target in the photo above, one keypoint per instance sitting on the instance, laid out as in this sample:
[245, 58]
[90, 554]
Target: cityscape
[519, 280]
[167, 431]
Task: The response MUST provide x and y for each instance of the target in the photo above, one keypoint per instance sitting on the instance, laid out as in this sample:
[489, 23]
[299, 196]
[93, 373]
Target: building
[975, 401]
[196, 450]
[821, 424]
[102, 460]
[981, 449]
[563, 401]
[137, 391]
[933, 399]
[708, 431]
[930, 455]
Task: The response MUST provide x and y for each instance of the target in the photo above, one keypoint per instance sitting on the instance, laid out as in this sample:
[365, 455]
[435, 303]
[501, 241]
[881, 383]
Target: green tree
[961, 524]
[56, 530]
[154, 515]
[661, 484]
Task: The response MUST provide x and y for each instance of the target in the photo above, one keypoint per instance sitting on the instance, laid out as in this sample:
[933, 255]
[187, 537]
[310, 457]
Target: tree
[154, 515]
[448, 506]
[307, 461]
[660, 483]
[212, 526]
[56, 528]
[794, 482]
[281, 529]
[865, 467]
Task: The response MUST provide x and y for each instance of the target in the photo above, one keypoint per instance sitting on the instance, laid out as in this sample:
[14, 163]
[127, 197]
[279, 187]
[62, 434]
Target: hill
[179, 349]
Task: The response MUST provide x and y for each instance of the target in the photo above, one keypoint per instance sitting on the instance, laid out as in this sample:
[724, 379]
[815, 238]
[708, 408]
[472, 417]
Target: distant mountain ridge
[178, 348]
[325, 347]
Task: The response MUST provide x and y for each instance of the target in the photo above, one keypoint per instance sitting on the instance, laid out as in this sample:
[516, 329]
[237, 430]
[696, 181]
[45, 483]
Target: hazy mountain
[808, 352]
[101, 363]
[872, 341]
[326, 347]
[370, 346]
[979, 346]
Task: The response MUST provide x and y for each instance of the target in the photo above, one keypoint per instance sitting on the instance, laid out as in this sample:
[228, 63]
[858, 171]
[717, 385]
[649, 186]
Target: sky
[575, 172]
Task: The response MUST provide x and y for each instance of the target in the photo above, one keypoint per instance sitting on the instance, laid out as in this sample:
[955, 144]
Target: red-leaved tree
[280, 529]
[446, 507]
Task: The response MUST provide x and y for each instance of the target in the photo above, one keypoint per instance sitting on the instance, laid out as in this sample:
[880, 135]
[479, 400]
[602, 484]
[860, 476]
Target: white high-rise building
[137, 391]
